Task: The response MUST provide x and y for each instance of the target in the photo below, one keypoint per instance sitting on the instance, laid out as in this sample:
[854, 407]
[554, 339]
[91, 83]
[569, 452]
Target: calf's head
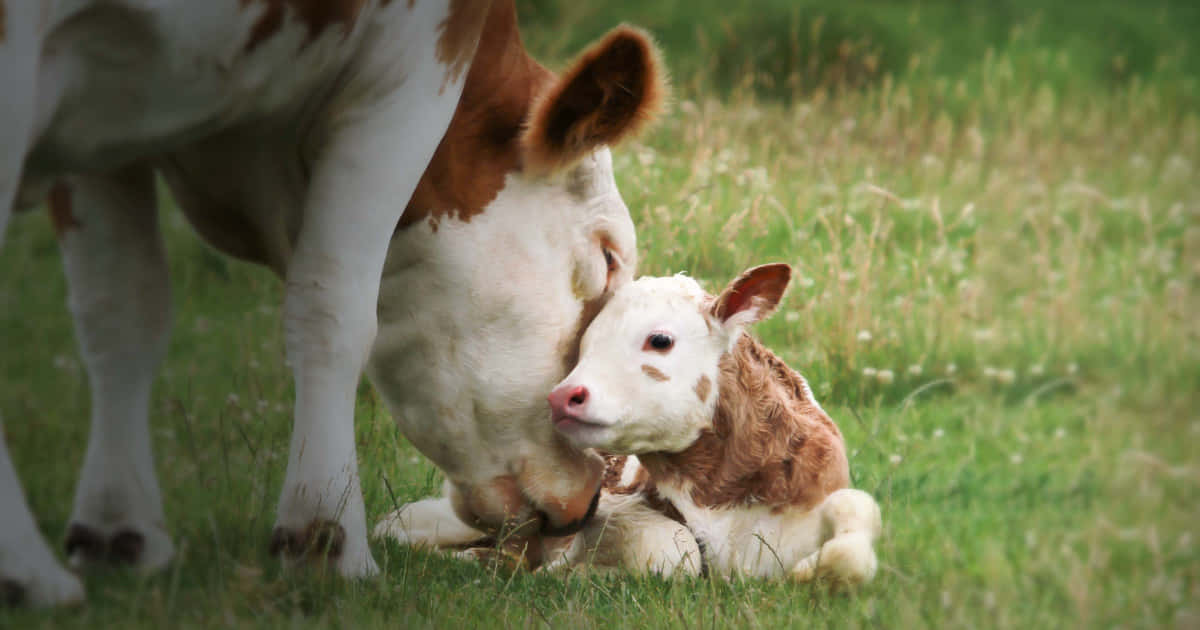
[647, 375]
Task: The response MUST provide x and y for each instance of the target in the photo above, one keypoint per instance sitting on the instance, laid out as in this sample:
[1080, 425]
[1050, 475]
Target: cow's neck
[482, 144]
[770, 443]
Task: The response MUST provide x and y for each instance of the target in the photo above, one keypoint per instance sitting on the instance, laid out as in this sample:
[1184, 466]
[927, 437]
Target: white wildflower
[1006, 376]
[885, 376]
[1060, 433]
[1016, 458]
[989, 372]
[938, 433]
[869, 372]
[1037, 369]
[792, 317]
[232, 399]
[895, 458]
[915, 369]
[951, 369]
[864, 336]
[1072, 368]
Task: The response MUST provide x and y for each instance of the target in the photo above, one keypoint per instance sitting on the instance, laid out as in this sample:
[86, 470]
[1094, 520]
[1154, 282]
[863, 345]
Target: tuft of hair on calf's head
[612, 91]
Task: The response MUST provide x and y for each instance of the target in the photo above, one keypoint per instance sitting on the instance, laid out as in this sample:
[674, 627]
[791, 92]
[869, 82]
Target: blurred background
[788, 48]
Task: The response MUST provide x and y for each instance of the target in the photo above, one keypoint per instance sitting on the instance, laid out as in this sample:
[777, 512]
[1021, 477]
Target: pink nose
[567, 400]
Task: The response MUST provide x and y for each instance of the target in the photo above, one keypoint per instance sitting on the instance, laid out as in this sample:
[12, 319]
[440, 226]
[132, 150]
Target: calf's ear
[752, 296]
[611, 91]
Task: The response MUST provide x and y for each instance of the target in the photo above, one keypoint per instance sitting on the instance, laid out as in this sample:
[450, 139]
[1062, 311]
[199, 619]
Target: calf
[721, 458]
[720, 435]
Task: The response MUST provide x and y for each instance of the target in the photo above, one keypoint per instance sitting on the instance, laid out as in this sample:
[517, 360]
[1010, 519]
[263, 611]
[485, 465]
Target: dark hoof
[11, 593]
[125, 547]
[321, 539]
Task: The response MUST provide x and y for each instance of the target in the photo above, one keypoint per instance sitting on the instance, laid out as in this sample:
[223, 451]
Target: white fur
[426, 523]
[120, 301]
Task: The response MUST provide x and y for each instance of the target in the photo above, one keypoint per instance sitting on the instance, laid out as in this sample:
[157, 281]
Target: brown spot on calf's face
[655, 373]
[61, 215]
[770, 443]
[703, 387]
[316, 15]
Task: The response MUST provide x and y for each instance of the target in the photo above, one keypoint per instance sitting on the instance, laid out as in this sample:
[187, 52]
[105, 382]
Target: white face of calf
[648, 370]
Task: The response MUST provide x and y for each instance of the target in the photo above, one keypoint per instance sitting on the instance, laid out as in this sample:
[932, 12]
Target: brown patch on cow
[460, 32]
[59, 204]
[655, 373]
[703, 386]
[316, 15]
[610, 92]
[482, 144]
[770, 443]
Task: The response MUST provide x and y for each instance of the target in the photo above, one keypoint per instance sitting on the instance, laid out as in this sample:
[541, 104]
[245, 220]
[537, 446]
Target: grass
[997, 298]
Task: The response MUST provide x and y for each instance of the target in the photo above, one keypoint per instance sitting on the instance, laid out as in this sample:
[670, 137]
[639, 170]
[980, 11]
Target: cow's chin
[544, 499]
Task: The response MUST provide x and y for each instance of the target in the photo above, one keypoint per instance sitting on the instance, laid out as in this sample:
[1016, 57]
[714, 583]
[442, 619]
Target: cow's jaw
[504, 298]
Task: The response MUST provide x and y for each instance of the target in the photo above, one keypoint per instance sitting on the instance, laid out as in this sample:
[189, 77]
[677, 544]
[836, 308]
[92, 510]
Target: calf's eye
[609, 260]
[660, 342]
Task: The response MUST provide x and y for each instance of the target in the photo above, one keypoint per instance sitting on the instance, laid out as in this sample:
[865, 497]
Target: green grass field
[997, 298]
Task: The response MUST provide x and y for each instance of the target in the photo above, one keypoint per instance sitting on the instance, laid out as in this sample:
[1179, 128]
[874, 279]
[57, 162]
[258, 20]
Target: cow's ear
[611, 91]
[752, 296]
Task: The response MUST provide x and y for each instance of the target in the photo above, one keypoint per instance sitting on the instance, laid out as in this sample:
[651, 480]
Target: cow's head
[515, 238]
[647, 376]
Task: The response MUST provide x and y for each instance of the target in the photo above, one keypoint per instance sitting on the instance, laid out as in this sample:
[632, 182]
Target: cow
[441, 208]
[720, 459]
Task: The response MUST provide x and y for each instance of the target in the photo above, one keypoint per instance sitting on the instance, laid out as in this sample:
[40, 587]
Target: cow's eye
[610, 260]
[659, 342]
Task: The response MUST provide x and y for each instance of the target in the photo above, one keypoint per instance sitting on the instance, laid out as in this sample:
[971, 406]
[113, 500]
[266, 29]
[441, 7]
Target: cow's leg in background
[19, 49]
[29, 572]
[120, 300]
[371, 163]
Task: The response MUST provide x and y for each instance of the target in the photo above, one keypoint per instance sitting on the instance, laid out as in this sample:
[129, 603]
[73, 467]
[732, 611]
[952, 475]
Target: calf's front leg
[850, 524]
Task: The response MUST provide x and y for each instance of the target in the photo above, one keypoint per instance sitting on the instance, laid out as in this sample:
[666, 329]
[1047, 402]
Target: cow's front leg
[120, 300]
[360, 188]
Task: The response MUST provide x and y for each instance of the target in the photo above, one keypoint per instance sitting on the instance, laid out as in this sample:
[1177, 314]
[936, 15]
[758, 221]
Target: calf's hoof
[147, 550]
[321, 542]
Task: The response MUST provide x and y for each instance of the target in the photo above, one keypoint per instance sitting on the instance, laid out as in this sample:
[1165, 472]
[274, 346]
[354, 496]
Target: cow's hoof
[323, 542]
[11, 593]
[320, 539]
[125, 546]
[54, 587]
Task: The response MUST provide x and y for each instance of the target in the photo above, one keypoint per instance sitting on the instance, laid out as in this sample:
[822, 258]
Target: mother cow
[442, 208]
